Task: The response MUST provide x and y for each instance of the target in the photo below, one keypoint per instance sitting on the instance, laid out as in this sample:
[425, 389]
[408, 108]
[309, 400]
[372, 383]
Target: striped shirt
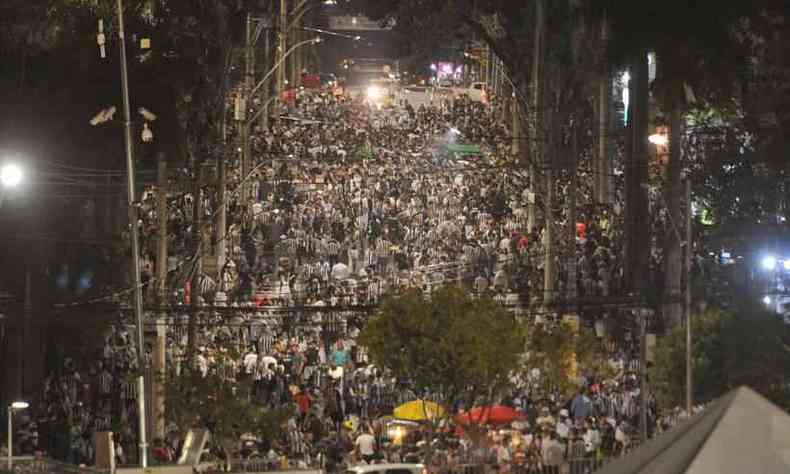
[128, 390]
[105, 383]
[266, 342]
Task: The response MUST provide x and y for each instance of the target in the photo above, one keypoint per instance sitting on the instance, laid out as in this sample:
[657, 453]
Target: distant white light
[625, 78]
[786, 265]
[769, 262]
[11, 175]
[658, 139]
[767, 300]
[433, 67]
[19, 405]
[374, 93]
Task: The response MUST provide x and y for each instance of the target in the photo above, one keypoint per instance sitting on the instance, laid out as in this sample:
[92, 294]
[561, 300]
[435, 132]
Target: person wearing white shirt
[366, 447]
[250, 361]
[592, 440]
[563, 426]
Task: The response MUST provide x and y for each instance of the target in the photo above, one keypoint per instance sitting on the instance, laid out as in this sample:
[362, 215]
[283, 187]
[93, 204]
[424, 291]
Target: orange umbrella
[490, 414]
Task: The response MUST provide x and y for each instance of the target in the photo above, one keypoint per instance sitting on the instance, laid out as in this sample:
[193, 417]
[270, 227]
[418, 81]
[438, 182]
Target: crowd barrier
[30, 465]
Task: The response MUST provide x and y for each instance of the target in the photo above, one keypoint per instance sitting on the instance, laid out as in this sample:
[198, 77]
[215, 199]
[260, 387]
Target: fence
[47, 466]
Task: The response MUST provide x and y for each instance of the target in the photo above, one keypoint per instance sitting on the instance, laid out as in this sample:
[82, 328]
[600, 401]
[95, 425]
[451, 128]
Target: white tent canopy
[742, 432]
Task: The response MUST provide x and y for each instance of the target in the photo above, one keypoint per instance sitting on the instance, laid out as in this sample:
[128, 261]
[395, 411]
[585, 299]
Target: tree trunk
[673, 257]
[637, 219]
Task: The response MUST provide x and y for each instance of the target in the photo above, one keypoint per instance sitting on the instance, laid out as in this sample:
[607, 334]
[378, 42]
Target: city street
[394, 237]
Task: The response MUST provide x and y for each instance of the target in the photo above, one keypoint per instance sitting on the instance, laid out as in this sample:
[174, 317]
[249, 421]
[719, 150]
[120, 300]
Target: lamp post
[14, 407]
[137, 295]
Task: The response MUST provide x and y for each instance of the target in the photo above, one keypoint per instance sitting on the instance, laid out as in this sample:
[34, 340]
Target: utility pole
[197, 237]
[537, 112]
[266, 65]
[603, 169]
[687, 304]
[244, 123]
[159, 356]
[296, 62]
[137, 294]
[283, 34]
[572, 291]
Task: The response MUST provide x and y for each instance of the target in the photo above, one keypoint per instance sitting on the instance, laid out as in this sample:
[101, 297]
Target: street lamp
[768, 263]
[659, 139]
[14, 407]
[11, 175]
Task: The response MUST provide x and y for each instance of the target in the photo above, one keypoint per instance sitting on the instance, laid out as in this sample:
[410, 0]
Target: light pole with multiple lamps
[12, 408]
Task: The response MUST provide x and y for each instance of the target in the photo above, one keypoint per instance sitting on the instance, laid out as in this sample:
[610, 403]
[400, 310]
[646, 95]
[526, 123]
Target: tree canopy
[217, 401]
[452, 345]
[746, 346]
[559, 352]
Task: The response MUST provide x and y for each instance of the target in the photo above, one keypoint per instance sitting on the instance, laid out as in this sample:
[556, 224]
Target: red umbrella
[490, 414]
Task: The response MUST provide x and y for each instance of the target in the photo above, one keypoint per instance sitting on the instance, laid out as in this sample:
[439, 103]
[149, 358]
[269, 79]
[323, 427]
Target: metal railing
[48, 466]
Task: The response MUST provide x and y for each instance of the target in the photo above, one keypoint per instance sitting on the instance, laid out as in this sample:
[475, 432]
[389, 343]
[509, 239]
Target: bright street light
[374, 93]
[15, 406]
[10, 175]
[658, 139]
[768, 262]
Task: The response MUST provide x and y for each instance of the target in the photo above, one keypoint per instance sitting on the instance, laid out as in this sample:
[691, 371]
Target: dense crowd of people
[334, 396]
[348, 202]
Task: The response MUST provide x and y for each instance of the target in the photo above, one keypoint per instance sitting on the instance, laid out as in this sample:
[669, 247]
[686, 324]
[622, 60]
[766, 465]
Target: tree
[749, 346]
[558, 353]
[697, 50]
[220, 403]
[454, 346]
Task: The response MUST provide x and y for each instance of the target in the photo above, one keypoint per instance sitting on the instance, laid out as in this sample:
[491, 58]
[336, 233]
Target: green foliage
[220, 403]
[561, 352]
[750, 346]
[455, 345]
